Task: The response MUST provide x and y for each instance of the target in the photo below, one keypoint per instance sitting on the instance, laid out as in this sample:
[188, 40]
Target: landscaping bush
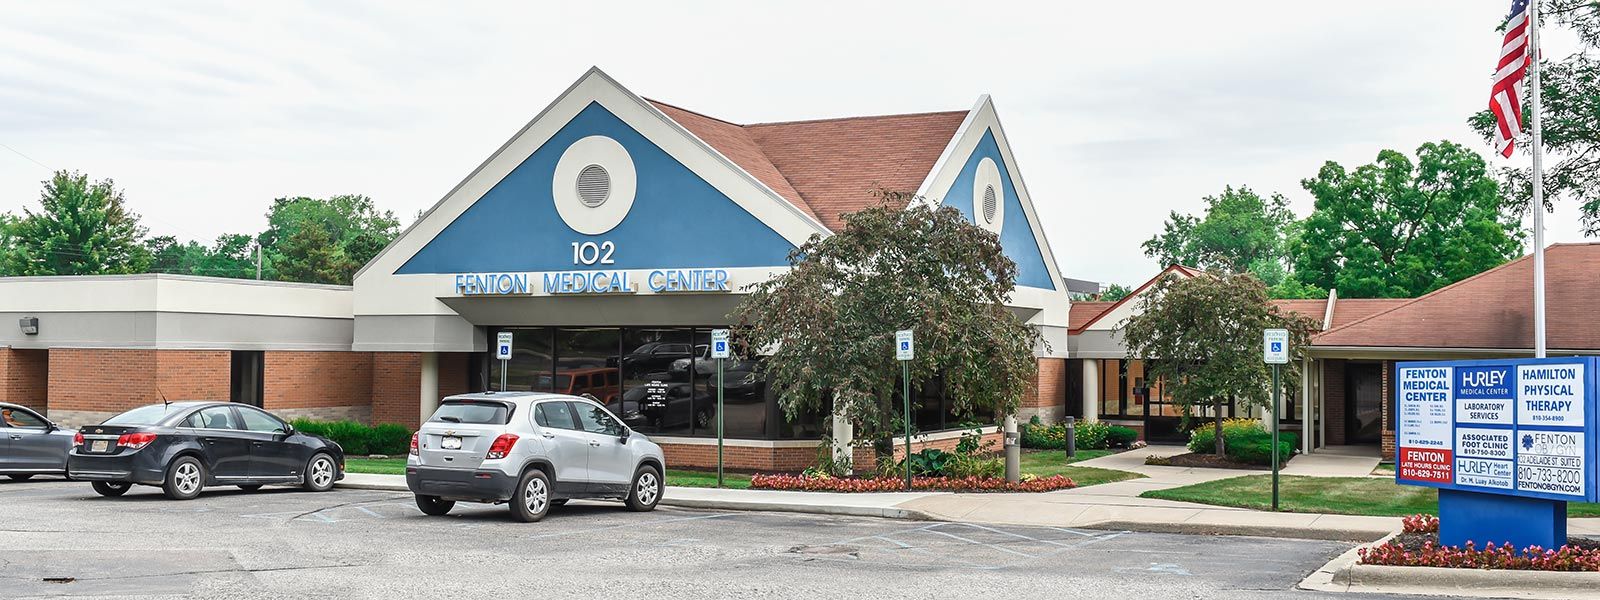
[1089, 436]
[970, 465]
[1532, 558]
[894, 484]
[1244, 440]
[357, 439]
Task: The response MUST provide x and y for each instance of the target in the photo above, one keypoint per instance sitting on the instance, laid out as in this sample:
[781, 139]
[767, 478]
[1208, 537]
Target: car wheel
[110, 489]
[22, 477]
[185, 477]
[646, 490]
[531, 500]
[320, 473]
[250, 487]
[434, 505]
[703, 419]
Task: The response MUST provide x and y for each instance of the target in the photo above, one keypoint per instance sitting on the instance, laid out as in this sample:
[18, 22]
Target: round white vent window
[989, 204]
[594, 184]
[988, 197]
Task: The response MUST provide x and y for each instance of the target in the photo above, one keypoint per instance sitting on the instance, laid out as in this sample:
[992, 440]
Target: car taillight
[77, 439]
[501, 446]
[135, 440]
[414, 443]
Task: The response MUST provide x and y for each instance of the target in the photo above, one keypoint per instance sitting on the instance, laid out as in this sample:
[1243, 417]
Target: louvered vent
[594, 185]
[989, 204]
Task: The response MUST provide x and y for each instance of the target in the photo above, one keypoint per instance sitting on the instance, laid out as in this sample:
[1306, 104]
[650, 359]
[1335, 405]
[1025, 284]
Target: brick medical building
[608, 236]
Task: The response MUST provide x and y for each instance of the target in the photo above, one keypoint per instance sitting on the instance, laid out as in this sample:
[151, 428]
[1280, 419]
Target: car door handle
[549, 436]
[16, 436]
[259, 444]
[594, 443]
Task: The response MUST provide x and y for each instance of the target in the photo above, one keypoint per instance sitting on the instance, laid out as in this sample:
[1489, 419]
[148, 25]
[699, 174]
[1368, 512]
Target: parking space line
[978, 543]
[627, 525]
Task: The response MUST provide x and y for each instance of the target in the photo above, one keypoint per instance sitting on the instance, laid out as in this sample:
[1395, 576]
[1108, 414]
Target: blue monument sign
[1507, 442]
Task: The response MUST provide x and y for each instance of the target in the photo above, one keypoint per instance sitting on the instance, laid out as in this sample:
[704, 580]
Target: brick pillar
[396, 379]
[1046, 396]
[24, 377]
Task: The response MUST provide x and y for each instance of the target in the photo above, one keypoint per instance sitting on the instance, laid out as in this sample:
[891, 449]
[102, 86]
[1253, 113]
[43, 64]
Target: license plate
[450, 443]
[99, 445]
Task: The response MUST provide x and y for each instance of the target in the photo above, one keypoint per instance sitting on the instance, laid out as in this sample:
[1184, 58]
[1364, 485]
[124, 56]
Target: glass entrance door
[1364, 413]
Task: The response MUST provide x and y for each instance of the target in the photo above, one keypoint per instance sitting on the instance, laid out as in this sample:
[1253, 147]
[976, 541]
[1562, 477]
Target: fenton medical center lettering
[659, 281]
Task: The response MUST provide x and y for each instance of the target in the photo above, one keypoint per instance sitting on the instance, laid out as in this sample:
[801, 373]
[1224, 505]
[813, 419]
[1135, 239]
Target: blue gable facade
[1016, 235]
[677, 218]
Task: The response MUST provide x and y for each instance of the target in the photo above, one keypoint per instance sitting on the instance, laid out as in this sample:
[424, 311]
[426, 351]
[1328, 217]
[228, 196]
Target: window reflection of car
[742, 380]
[653, 356]
[601, 383]
[676, 411]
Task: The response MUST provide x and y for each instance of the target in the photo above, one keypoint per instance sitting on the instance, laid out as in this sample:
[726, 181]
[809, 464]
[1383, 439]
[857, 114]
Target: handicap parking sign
[904, 345]
[719, 343]
[502, 349]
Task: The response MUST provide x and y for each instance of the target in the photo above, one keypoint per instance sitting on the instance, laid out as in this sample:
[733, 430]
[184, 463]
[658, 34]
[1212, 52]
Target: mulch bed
[1213, 461]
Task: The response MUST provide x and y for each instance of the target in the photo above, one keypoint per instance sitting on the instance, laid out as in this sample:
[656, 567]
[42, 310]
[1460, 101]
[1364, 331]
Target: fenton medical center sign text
[659, 281]
[1516, 427]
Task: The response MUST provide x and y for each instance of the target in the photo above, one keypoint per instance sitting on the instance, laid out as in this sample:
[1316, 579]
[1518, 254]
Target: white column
[1305, 405]
[1091, 390]
[428, 394]
[843, 436]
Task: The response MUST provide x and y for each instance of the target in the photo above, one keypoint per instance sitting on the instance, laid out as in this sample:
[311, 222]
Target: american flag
[1503, 100]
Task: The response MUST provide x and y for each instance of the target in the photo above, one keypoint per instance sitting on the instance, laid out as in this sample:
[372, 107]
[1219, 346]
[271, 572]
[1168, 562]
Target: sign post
[1275, 352]
[904, 351]
[1507, 442]
[719, 351]
[502, 351]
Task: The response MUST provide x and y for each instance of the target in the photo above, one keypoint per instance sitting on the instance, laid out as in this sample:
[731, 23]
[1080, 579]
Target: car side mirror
[625, 433]
[288, 430]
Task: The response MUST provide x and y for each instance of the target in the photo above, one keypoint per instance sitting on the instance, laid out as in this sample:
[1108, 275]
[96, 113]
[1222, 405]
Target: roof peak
[805, 121]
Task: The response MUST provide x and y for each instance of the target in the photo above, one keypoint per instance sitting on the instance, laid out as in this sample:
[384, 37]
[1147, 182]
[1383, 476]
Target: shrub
[1244, 440]
[968, 465]
[1091, 436]
[1156, 459]
[893, 484]
[357, 439]
[931, 461]
[1053, 437]
[1118, 436]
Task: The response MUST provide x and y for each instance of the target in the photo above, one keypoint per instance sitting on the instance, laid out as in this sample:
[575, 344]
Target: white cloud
[204, 111]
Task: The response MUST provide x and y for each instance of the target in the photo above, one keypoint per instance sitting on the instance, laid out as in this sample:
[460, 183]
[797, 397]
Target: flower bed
[894, 484]
[1419, 547]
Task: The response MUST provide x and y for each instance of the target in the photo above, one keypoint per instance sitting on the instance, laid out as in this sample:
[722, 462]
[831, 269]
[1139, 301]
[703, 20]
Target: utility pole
[258, 258]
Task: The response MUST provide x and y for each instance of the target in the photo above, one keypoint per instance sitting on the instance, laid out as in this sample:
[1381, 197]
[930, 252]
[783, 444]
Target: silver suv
[531, 451]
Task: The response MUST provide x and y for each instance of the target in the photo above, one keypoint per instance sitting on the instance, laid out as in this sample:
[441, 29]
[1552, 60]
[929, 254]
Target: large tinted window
[476, 413]
[20, 418]
[657, 393]
[144, 415]
[532, 363]
[216, 417]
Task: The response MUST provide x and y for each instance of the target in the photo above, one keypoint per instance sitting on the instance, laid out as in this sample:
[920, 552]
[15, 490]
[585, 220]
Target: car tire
[321, 472]
[110, 489]
[250, 487]
[21, 477]
[530, 500]
[646, 490]
[185, 478]
[434, 505]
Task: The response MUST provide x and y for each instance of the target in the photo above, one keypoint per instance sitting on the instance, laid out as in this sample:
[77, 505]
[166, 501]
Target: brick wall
[453, 373]
[1334, 400]
[1046, 398]
[298, 380]
[87, 385]
[1388, 410]
[740, 458]
[24, 377]
[396, 388]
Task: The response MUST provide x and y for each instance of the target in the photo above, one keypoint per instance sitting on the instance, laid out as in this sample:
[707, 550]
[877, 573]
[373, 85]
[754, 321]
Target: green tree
[1398, 229]
[1115, 292]
[233, 255]
[1201, 337]
[1571, 112]
[82, 228]
[1240, 232]
[353, 231]
[830, 320]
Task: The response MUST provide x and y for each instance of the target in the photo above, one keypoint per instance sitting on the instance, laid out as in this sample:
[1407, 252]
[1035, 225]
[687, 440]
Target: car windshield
[144, 415]
[477, 413]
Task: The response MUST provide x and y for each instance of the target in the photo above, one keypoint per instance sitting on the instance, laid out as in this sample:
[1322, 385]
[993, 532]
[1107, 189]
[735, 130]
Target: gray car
[31, 444]
[530, 451]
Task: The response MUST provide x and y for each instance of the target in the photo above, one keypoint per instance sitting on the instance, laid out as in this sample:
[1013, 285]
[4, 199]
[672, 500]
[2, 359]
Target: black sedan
[185, 446]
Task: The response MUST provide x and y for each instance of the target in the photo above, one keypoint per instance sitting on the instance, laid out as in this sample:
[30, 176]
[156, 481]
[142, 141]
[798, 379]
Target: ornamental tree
[829, 321]
[1201, 337]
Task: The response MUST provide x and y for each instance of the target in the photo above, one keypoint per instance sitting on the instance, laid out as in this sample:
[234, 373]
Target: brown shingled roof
[1493, 309]
[829, 168]
[1084, 312]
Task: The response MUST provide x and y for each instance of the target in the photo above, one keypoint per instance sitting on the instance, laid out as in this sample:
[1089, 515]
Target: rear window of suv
[474, 413]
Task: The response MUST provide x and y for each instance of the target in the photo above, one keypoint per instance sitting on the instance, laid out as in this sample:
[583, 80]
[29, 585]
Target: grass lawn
[1054, 462]
[397, 466]
[1330, 495]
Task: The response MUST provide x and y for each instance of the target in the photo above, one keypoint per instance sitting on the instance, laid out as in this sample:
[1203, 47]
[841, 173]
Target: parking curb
[1343, 574]
[789, 507]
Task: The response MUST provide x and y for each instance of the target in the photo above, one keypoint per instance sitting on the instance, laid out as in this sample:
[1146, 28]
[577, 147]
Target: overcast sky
[204, 112]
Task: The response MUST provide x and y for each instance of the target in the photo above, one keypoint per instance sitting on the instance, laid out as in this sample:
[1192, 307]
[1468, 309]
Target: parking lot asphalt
[59, 539]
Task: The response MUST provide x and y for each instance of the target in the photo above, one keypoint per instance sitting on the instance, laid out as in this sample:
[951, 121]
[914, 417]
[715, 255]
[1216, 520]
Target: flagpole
[1538, 181]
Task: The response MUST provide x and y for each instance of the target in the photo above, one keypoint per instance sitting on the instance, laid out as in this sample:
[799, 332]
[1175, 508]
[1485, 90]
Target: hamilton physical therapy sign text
[1514, 427]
